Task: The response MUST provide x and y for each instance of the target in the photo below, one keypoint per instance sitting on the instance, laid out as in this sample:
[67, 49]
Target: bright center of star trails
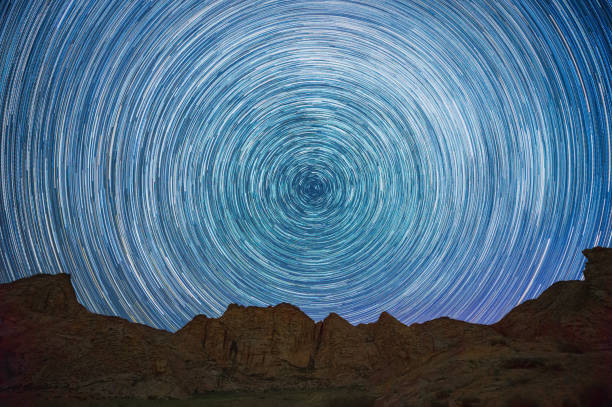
[426, 158]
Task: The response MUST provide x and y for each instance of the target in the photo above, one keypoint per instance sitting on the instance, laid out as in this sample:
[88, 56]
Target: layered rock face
[552, 351]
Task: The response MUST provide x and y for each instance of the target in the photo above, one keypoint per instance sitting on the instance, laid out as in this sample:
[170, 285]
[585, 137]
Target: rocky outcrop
[557, 349]
[576, 314]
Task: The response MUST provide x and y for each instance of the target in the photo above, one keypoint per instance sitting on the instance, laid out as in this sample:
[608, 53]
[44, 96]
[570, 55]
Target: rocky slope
[555, 350]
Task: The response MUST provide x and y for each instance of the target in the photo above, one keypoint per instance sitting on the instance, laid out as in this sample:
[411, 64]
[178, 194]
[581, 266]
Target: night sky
[427, 158]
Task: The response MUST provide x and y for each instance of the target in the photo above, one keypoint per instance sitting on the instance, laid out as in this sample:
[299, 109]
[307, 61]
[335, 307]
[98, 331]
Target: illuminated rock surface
[548, 351]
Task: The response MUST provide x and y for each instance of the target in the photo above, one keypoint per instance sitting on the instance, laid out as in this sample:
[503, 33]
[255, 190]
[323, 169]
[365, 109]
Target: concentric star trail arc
[424, 158]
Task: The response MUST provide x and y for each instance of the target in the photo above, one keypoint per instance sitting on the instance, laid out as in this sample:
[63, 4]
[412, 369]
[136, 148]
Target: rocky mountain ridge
[557, 349]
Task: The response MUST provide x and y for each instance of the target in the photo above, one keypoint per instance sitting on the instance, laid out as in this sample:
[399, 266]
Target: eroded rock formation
[551, 351]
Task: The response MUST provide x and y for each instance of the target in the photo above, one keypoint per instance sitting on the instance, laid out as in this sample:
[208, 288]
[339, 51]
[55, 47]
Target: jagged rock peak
[197, 320]
[598, 254]
[335, 319]
[284, 306]
[386, 318]
[599, 263]
[234, 306]
[332, 316]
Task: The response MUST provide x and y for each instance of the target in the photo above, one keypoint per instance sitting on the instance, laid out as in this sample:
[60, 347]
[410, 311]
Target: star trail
[426, 158]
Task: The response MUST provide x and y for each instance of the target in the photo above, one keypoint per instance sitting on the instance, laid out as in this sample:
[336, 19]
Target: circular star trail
[426, 158]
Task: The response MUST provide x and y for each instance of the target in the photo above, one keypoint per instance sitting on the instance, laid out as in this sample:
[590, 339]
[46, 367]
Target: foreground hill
[555, 350]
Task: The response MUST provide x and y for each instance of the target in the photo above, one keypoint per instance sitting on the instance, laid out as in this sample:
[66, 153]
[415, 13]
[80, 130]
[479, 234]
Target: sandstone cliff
[551, 351]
